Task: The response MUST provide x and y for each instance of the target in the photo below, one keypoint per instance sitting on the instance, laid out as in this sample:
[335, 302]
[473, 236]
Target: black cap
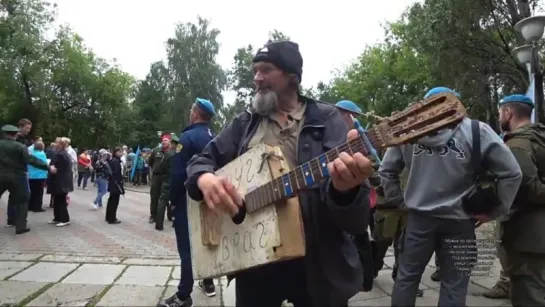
[284, 54]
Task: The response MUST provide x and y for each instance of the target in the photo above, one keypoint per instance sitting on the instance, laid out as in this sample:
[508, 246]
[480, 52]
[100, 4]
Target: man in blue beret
[438, 170]
[523, 233]
[192, 141]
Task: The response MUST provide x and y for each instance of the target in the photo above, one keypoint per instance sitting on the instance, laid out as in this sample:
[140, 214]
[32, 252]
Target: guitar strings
[350, 147]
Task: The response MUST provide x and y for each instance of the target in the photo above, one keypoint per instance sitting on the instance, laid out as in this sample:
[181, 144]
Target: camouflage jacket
[388, 221]
[525, 229]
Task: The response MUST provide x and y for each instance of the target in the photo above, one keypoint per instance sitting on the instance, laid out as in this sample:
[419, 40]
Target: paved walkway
[91, 263]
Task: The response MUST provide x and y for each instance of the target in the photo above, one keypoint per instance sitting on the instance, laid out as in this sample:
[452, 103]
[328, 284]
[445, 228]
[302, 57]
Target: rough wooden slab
[220, 247]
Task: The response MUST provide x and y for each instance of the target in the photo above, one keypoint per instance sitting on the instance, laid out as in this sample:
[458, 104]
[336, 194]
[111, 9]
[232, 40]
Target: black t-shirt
[23, 140]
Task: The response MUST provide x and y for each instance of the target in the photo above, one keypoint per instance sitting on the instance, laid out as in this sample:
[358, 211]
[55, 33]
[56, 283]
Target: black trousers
[269, 285]
[60, 208]
[111, 207]
[36, 194]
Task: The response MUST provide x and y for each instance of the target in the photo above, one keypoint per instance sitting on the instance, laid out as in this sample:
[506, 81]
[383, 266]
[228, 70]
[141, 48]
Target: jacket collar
[193, 126]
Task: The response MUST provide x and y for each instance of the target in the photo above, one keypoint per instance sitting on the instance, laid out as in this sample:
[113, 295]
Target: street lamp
[532, 29]
[525, 54]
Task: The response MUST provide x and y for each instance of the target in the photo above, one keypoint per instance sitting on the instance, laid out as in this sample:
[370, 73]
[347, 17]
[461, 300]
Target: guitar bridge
[266, 156]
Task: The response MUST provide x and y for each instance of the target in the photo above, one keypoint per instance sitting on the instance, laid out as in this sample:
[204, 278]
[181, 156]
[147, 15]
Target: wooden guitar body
[273, 233]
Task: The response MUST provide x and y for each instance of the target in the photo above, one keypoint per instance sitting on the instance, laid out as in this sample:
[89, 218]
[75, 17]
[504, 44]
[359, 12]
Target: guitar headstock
[418, 120]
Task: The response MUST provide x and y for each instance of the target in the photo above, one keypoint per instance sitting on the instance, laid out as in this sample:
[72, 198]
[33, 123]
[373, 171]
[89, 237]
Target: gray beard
[264, 103]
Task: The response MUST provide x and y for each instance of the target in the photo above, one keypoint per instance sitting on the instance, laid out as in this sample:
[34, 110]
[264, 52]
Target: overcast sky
[330, 33]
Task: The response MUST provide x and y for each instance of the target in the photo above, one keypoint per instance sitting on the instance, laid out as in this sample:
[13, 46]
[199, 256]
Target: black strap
[476, 147]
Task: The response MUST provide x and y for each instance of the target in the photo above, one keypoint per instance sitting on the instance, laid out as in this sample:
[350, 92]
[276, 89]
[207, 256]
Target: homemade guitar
[270, 228]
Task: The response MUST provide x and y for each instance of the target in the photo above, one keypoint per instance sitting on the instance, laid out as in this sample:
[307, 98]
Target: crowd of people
[55, 170]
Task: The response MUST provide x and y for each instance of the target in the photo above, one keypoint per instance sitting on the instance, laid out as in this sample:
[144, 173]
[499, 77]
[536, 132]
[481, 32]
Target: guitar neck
[302, 177]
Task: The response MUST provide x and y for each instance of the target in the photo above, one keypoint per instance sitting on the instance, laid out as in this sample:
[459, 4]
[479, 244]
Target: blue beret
[440, 90]
[206, 106]
[349, 106]
[517, 98]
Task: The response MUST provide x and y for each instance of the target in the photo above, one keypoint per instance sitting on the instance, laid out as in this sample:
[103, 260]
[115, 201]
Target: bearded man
[330, 273]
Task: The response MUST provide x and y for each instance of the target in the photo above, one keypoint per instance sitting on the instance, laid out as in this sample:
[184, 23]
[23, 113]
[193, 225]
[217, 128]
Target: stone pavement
[91, 263]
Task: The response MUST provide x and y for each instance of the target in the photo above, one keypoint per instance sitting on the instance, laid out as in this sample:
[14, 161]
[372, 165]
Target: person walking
[160, 164]
[13, 167]
[102, 173]
[115, 186]
[84, 169]
[36, 179]
[61, 183]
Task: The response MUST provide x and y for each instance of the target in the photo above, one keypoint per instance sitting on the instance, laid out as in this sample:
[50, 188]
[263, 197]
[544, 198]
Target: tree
[59, 84]
[465, 45]
[468, 46]
[381, 80]
[193, 70]
[151, 104]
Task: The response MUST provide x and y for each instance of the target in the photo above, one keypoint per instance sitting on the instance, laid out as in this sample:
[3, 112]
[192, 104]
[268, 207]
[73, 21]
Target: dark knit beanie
[285, 55]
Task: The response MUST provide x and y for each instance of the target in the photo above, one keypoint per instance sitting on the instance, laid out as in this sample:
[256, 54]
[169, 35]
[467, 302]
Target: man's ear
[293, 81]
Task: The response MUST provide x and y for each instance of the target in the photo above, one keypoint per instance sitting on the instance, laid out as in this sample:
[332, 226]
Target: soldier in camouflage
[159, 163]
[523, 233]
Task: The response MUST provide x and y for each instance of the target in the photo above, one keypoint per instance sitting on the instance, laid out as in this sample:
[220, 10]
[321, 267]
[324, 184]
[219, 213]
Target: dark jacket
[333, 268]
[102, 169]
[192, 141]
[525, 230]
[50, 152]
[23, 139]
[115, 181]
[62, 182]
[14, 158]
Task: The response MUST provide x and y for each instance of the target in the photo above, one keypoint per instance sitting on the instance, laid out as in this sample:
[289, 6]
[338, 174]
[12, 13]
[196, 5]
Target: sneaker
[94, 207]
[63, 224]
[174, 301]
[497, 292]
[208, 288]
[52, 222]
[10, 224]
[151, 220]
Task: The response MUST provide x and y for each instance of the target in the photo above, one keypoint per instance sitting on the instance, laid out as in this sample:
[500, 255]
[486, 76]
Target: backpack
[483, 198]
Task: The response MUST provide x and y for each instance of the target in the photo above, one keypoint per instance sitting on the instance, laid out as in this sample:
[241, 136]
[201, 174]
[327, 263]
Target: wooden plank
[220, 247]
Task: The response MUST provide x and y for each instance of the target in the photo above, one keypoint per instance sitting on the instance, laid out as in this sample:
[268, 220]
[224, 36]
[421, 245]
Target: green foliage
[59, 84]
[66, 90]
[465, 45]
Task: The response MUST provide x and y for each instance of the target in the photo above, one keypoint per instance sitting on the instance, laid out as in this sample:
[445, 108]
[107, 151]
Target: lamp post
[532, 29]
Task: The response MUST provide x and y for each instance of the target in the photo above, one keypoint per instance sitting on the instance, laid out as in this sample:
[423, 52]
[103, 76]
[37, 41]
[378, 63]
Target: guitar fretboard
[303, 176]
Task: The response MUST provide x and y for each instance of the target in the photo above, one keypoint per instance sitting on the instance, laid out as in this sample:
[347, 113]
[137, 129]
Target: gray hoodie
[441, 173]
